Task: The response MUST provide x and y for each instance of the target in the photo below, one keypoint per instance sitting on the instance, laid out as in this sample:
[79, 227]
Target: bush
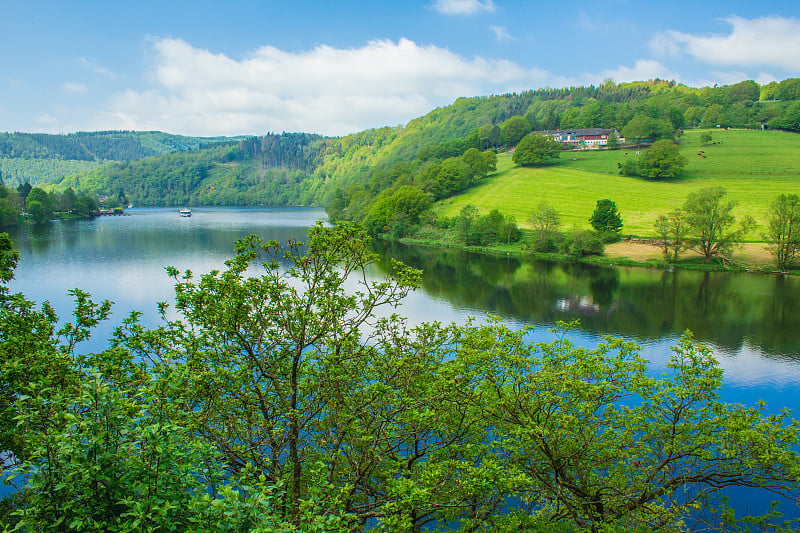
[582, 243]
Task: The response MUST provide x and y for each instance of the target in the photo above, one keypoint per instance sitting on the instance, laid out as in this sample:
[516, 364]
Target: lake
[752, 321]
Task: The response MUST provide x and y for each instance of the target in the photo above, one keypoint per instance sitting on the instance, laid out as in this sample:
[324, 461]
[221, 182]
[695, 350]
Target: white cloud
[463, 7]
[766, 41]
[72, 87]
[324, 90]
[501, 33]
[92, 65]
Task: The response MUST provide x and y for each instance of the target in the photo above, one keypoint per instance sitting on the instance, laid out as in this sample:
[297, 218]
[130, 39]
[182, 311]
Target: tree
[662, 161]
[612, 141]
[37, 195]
[68, 200]
[606, 219]
[644, 128]
[581, 243]
[710, 221]
[480, 163]
[85, 206]
[546, 223]
[24, 189]
[465, 223]
[535, 150]
[705, 138]
[671, 233]
[328, 417]
[8, 212]
[282, 350]
[37, 211]
[513, 130]
[783, 229]
[489, 136]
[598, 445]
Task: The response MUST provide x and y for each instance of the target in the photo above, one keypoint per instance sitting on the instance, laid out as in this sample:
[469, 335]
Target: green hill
[754, 166]
[43, 158]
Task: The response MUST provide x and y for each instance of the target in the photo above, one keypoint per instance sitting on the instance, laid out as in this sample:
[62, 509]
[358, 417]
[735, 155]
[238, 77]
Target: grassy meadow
[753, 166]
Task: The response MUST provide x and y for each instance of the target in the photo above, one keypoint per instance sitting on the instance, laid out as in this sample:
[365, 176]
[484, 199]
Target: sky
[250, 67]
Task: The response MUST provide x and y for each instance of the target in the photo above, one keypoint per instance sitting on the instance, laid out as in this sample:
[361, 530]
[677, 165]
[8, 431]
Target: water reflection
[732, 311]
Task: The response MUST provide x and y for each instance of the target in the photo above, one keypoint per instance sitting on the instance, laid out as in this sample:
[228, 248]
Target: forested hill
[267, 170]
[45, 158]
[302, 169]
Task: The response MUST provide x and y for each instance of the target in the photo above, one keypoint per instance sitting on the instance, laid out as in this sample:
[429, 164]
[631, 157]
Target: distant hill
[40, 158]
[268, 170]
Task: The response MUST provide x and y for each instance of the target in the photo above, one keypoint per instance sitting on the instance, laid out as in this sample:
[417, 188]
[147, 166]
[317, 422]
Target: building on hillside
[582, 138]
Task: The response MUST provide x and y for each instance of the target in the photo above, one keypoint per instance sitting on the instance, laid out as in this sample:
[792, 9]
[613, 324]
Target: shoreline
[750, 258]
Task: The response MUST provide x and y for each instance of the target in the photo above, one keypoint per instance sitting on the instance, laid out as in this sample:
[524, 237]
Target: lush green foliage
[326, 417]
[606, 218]
[545, 222]
[753, 166]
[646, 128]
[581, 243]
[672, 234]
[474, 229]
[661, 161]
[783, 229]
[98, 145]
[711, 222]
[535, 150]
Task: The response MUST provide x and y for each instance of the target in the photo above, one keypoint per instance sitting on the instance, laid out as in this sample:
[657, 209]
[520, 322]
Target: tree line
[41, 206]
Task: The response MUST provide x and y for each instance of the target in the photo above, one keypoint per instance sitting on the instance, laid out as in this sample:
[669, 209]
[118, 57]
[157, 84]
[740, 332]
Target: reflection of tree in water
[603, 284]
[722, 308]
[779, 326]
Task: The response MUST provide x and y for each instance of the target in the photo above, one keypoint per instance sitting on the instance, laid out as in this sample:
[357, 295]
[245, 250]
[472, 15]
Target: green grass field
[753, 166]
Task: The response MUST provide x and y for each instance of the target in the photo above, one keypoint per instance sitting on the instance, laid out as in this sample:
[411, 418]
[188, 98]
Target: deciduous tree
[783, 229]
[671, 233]
[712, 225]
[535, 150]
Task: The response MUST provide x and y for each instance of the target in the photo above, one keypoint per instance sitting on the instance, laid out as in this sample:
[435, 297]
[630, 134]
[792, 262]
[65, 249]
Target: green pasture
[753, 166]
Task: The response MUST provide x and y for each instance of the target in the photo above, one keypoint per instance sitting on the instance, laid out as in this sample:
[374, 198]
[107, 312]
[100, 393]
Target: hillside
[754, 166]
[41, 158]
[269, 170]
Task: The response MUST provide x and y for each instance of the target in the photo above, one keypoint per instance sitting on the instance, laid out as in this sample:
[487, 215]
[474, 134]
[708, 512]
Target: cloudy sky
[227, 67]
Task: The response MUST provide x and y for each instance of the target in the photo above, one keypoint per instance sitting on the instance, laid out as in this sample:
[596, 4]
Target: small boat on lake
[186, 212]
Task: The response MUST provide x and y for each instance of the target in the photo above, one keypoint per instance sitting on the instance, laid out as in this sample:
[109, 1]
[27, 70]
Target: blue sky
[204, 67]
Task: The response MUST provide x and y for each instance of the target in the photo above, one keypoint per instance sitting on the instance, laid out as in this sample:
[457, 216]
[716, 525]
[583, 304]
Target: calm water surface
[751, 321]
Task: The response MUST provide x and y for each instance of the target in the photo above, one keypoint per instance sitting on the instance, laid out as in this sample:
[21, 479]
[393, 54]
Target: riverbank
[747, 257]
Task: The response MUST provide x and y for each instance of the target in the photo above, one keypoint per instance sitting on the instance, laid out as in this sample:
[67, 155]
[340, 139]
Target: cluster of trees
[545, 222]
[287, 401]
[705, 223]
[250, 173]
[472, 228]
[392, 200]
[535, 150]
[41, 205]
[661, 161]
